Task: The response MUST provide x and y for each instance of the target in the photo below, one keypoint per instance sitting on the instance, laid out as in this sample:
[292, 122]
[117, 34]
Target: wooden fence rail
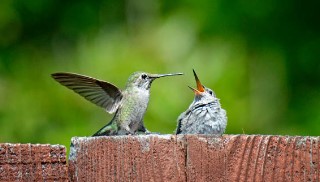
[195, 158]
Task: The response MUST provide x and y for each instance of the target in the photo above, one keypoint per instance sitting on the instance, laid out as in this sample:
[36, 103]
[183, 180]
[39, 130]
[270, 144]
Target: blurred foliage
[261, 59]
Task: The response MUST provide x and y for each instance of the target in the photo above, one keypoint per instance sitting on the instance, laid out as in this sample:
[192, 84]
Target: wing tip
[53, 75]
[58, 74]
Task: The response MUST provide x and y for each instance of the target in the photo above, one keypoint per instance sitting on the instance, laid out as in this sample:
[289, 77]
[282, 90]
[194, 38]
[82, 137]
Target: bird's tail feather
[109, 129]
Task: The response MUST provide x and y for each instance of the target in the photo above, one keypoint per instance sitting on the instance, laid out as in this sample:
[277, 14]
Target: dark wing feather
[99, 92]
[178, 131]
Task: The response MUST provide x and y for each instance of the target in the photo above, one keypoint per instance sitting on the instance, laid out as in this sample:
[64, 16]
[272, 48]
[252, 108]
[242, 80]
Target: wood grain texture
[127, 158]
[32, 162]
[194, 158]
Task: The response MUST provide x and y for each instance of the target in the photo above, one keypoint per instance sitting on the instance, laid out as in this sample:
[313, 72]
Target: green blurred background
[261, 59]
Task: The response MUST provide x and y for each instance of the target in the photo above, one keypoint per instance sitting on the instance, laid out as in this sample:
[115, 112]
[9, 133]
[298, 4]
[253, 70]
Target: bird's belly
[137, 115]
[133, 110]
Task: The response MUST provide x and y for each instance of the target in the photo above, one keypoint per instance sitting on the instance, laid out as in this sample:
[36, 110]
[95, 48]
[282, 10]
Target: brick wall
[33, 162]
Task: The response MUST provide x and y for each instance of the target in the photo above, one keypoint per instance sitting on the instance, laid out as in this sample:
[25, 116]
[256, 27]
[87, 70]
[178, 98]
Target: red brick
[32, 162]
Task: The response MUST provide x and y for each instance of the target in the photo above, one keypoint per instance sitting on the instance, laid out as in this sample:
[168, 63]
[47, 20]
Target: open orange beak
[200, 87]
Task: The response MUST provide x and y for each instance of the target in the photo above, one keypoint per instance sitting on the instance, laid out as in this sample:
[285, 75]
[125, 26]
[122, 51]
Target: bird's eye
[144, 76]
[210, 92]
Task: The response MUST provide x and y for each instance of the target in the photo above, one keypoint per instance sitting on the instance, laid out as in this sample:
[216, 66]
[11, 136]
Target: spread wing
[99, 92]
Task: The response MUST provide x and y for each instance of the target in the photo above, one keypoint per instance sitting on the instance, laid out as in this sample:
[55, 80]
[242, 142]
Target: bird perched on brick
[129, 104]
[204, 115]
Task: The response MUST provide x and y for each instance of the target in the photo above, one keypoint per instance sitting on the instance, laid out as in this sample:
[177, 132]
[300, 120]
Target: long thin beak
[154, 76]
[199, 85]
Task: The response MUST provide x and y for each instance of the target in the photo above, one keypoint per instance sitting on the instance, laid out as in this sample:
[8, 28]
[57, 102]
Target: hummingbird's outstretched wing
[99, 92]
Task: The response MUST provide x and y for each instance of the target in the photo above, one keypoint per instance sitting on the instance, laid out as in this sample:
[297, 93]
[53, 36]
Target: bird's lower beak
[197, 92]
[200, 87]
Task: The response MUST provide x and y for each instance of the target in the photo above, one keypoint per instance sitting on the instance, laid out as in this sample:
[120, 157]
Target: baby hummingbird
[129, 105]
[204, 115]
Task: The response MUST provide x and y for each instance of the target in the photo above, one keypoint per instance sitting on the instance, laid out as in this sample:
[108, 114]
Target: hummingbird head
[143, 80]
[202, 93]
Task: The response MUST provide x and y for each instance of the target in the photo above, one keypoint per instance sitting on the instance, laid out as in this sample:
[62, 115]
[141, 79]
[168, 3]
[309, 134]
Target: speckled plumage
[204, 115]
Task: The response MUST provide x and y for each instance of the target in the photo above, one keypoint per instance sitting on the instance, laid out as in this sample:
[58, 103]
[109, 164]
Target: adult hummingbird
[129, 105]
[204, 115]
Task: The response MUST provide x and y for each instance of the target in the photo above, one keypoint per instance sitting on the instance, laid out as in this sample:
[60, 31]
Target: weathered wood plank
[127, 158]
[194, 158]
